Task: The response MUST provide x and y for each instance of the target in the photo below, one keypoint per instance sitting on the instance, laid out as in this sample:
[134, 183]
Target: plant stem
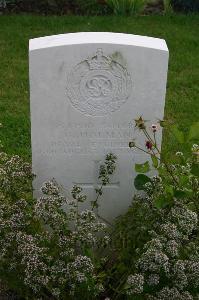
[154, 143]
[171, 174]
[97, 197]
[154, 135]
[122, 281]
[148, 136]
[146, 152]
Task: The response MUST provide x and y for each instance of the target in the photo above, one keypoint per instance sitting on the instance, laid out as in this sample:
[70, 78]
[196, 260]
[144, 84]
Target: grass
[180, 32]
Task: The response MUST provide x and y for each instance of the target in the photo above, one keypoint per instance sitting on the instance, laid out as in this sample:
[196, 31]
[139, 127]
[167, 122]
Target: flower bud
[154, 127]
[131, 144]
[140, 123]
[149, 145]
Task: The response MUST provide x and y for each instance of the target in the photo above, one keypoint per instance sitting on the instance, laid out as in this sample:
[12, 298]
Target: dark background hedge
[93, 7]
[186, 5]
[81, 7]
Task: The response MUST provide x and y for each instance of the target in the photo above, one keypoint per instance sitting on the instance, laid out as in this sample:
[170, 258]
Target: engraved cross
[97, 183]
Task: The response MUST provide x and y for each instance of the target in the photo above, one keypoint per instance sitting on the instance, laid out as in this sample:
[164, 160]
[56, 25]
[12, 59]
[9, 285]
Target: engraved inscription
[98, 85]
[84, 138]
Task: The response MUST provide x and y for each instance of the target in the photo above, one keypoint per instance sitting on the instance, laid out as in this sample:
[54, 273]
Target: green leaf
[163, 201]
[178, 134]
[189, 193]
[194, 131]
[102, 274]
[167, 199]
[195, 169]
[179, 194]
[169, 190]
[140, 181]
[191, 206]
[88, 252]
[142, 168]
[183, 194]
[183, 180]
[162, 123]
[162, 171]
[154, 161]
[160, 202]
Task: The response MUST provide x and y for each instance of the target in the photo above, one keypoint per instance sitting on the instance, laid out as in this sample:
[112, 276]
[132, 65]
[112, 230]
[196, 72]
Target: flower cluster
[171, 293]
[153, 279]
[15, 175]
[50, 188]
[134, 284]
[80, 269]
[107, 168]
[161, 260]
[32, 259]
[154, 261]
[105, 171]
[48, 244]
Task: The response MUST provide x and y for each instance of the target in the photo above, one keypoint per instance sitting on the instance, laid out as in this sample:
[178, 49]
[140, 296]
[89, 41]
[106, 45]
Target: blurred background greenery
[99, 7]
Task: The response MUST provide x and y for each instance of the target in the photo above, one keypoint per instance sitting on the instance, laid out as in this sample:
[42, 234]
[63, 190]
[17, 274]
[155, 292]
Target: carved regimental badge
[98, 85]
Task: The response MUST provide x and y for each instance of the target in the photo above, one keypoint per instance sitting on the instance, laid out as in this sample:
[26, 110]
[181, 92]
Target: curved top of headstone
[97, 38]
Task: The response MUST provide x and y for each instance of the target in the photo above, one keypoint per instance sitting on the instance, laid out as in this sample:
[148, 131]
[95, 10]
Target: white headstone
[86, 89]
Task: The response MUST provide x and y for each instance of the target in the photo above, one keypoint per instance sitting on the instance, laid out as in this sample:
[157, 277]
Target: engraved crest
[98, 85]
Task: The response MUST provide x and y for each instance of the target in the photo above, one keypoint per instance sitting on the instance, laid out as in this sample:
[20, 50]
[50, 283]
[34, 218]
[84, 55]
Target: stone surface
[86, 89]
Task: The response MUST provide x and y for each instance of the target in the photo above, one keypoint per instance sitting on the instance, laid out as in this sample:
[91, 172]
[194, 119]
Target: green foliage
[105, 171]
[155, 161]
[195, 169]
[194, 132]
[90, 7]
[131, 232]
[178, 134]
[158, 239]
[140, 181]
[142, 168]
[176, 180]
[167, 7]
[126, 7]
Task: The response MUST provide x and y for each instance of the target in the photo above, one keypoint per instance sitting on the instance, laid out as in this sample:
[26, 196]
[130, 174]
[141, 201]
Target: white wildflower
[179, 153]
[135, 284]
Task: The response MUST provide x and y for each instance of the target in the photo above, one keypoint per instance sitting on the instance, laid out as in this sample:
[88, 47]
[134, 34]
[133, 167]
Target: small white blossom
[195, 148]
[154, 127]
[135, 284]
[153, 279]
[179, 153]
